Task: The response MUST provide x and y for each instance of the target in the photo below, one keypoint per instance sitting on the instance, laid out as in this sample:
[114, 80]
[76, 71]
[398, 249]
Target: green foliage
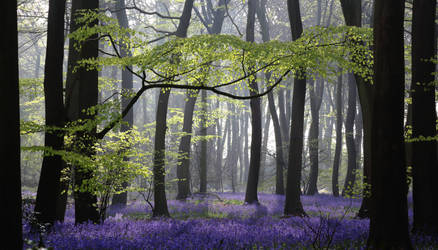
[359, 189]
[217, 61]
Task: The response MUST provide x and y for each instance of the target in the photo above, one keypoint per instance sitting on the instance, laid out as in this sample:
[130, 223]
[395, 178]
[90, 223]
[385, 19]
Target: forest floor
[220, 221]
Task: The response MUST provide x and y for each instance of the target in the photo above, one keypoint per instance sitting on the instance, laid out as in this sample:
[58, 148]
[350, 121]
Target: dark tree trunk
[203, 158]
[424, 158]
[293, 204]
[279, 179]
[338, 147]
[280, 165]
[160, 201]
[183, 166]
[349, 138]
[49, 189]
[389, 213]
[61, 204]
[256, 123]
[316, 92]
[127, 83]
[160, 208]
[10, 187]
[81, 94]
[353, 17]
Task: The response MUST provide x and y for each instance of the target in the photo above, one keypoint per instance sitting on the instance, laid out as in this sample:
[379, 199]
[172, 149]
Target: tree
[49, 188]
[82, 94]
[160, 208]
[10, 187]
[183, 167]
[233, 145]
[424, 151]
[349, 138]
[293, 204]
[352, 10]
[338, 146]
[316, 92]
[128, 120]
[203, 157]
[256, 123]
[279, 183]
[389, 213]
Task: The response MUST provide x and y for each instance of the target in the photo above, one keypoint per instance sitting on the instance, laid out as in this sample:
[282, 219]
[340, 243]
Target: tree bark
[256, 125]
[220, 142]
[49, 189]
[203, 157]
[358, 137]
[10, 187]
[81, 94]
[280, 165]
[183, 169]
[160, 208]
[424, 157]
[338, 147]
[353, 17]
[160, 201]
[264, 150]
[232, 146]
[293, 204]
[389, 213]
[349, 138]
[127, 84]
[316, 92]
[183, 166]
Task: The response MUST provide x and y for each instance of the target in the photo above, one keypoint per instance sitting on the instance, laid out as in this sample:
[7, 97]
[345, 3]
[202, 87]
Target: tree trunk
[220, 142]
[358, 137]
[160, 208]
[349, 138]
[82, 94]
[279, 157]
[10, 187]
[328, 128]
[49, 189]
[203, 158]
[316, 92]
[353, 17]
[389, 213]
[338, 147]
[424, 158]
[280, 165]
[246, 147]
[183, 166]
[127, 83]
[183, 173]
[160, 201]
[233, 144]
[256, 124]
[293, 204]
[264, 150]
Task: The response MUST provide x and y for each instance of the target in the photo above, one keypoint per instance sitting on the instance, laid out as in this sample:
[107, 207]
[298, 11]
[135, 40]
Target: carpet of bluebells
[217, 222]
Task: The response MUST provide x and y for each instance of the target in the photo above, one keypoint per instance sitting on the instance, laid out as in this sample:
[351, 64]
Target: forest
[219, 124]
